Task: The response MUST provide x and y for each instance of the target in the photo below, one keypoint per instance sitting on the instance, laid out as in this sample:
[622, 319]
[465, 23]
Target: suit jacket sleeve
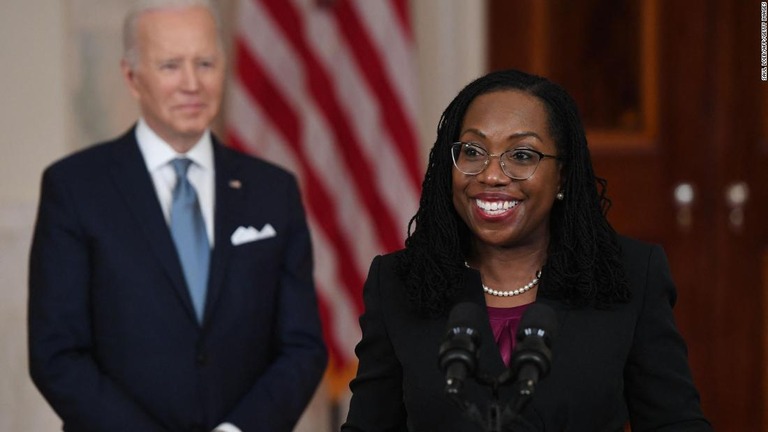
[377, 402]
[279, 396]
[60, 340]
[659, 387]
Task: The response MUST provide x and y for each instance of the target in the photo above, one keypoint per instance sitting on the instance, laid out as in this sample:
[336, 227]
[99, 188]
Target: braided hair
[583, 258]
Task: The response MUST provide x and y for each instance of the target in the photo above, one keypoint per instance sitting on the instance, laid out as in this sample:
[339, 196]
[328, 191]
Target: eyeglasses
[517, 164]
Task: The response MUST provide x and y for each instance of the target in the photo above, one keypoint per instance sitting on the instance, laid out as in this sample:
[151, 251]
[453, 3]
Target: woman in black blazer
[512, 214]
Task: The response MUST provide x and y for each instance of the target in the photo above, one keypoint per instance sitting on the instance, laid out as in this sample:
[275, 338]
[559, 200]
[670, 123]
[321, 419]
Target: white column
[451, 48]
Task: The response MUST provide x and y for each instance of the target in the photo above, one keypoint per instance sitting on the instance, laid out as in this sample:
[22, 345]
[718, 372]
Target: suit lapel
[135, 185]
[489, 356]
[562, 310]
[229, 195]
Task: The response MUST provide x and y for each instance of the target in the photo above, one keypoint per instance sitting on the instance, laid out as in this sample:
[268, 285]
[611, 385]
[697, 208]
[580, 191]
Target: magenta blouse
[504, 323]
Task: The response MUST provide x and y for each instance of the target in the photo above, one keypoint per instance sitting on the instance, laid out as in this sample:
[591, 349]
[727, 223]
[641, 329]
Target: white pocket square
[251, 234]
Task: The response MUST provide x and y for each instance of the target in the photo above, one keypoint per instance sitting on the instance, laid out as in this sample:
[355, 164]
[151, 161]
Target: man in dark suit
[170, 277]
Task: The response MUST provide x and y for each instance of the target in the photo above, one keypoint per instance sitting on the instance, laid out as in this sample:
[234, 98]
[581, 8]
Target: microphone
[532, 357]
[458, 352]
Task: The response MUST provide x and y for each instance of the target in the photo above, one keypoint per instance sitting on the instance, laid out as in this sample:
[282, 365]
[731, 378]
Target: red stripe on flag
[404, 15]
[399, 126]
[320, 86]
[260, 89]
[264, 89]
[254, 79]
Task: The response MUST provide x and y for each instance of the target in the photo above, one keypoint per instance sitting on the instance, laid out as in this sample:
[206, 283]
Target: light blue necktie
[188, 231]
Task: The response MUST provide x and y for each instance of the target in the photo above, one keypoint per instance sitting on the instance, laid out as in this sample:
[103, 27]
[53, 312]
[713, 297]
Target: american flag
[327, 89]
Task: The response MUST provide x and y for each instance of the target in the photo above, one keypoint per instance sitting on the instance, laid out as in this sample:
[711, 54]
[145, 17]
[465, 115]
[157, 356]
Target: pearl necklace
[518, 291]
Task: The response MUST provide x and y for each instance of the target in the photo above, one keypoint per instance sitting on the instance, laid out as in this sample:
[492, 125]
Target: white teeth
[495, 207]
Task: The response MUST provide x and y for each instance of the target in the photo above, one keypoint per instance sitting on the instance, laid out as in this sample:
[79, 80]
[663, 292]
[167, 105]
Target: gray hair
[130, 49]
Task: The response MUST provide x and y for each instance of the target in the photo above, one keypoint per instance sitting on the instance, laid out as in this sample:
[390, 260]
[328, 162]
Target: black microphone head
[465, 314]
[532, 356]
[461, 339]
[538, 320]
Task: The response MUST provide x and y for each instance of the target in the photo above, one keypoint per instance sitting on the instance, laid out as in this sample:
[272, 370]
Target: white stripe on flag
[329, 93]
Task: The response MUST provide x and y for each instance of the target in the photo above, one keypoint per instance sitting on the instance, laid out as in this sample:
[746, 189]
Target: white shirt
[158, 155]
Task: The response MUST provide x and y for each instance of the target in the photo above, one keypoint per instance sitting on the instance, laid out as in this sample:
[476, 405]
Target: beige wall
[33, 121]
[61, 89]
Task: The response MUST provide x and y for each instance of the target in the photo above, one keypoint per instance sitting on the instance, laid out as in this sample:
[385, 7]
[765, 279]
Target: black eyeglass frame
[462, 144]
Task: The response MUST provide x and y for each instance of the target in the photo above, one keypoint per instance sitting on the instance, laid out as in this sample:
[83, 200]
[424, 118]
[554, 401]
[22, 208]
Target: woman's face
[500, 211]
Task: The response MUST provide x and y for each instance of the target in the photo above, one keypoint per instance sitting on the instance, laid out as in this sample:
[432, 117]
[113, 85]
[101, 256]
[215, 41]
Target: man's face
[179, 76]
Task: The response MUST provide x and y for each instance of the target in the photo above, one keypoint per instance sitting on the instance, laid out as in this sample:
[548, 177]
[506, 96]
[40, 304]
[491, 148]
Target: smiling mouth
[190, 107]
[495, 208]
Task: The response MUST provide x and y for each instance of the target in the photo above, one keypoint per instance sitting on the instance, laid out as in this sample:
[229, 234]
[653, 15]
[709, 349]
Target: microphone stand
[497, 415]
[458, 358]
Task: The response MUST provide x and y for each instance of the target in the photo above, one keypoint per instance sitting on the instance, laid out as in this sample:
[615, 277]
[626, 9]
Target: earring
[560, 196]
